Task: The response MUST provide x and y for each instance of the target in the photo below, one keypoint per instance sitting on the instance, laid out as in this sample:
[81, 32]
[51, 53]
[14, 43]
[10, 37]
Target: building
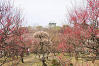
[52, 25]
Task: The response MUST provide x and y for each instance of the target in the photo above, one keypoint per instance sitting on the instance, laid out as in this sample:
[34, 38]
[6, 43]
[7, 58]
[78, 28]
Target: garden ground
[33, 60]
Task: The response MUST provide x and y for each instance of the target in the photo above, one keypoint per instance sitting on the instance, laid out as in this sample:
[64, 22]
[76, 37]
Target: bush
[71, 64]
[55, 63]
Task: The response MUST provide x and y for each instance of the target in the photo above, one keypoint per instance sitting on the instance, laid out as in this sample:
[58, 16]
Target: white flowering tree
[43, 44]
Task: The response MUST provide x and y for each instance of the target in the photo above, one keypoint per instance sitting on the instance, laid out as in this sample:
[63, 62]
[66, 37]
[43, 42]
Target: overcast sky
[41, 12]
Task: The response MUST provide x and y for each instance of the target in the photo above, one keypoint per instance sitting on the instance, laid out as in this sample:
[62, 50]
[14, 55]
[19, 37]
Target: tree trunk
[43, 61]
[22, 60]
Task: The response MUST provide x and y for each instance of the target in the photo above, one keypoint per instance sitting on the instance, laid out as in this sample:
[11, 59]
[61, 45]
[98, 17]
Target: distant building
[52, 24]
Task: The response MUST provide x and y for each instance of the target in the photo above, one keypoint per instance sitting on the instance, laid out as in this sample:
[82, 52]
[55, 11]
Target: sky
[42, 12]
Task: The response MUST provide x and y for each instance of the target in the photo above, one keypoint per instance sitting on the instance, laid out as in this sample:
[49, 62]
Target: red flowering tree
[85, 27]
[10, 36]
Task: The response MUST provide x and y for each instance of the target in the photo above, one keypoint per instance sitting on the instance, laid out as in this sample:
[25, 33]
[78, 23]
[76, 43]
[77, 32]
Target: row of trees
[16, 41]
